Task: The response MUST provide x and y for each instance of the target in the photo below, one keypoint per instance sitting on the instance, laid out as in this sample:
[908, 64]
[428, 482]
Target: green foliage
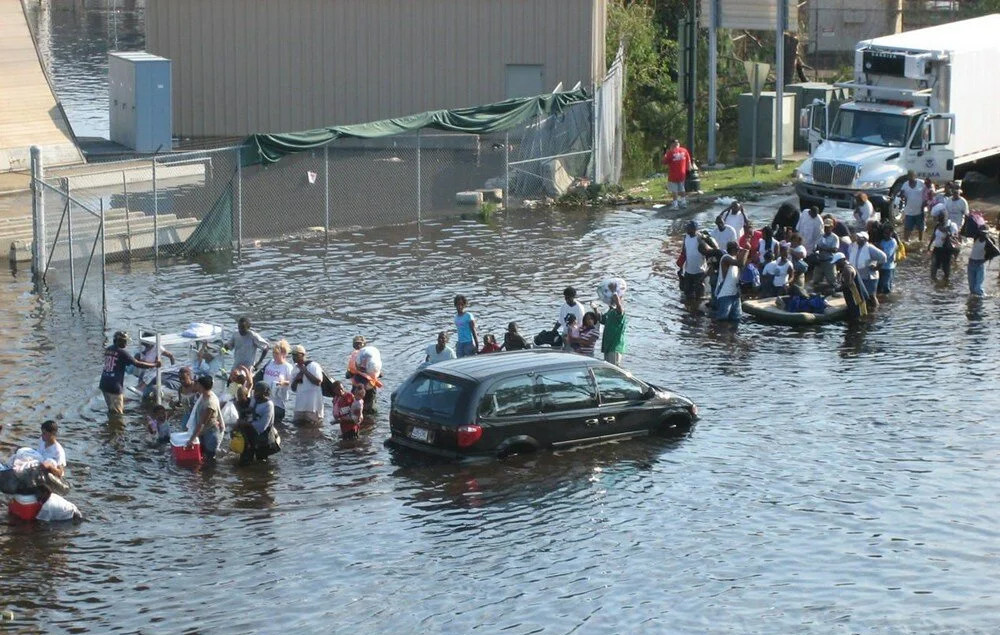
[651, 109]
[653, 112]
[735, 181]
[487, 209]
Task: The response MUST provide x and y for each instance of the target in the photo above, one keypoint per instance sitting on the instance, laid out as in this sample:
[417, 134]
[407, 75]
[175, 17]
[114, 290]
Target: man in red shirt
[678, 162]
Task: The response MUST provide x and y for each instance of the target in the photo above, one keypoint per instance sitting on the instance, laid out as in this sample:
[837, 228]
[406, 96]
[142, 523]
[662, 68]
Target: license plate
[420, 434]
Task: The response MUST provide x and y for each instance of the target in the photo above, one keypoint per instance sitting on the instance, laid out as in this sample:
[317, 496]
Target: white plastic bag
[57, 508]
[230, 415]
[370, 362]
[611, 286]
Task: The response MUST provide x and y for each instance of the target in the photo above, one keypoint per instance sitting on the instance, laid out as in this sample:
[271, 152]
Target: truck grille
[834, 173]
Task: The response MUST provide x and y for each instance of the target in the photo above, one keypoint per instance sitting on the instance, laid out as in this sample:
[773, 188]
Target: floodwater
[74, 38]
[841, 479]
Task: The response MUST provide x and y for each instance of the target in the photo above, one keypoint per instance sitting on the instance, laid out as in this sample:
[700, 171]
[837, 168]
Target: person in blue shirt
[465, 325]
[116, 360]
[890, 246]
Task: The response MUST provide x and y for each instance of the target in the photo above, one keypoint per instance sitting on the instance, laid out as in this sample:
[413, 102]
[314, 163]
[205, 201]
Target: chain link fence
[187, 202]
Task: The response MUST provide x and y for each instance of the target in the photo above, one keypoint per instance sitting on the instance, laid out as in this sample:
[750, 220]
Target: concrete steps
[123, 232]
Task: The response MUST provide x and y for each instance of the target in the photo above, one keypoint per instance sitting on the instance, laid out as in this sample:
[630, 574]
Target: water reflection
[74, 38]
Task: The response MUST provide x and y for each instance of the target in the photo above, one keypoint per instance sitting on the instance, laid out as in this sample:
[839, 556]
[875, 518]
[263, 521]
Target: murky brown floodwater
[840, 479]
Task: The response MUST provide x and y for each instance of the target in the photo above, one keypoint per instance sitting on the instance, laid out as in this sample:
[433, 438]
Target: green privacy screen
[270, 148]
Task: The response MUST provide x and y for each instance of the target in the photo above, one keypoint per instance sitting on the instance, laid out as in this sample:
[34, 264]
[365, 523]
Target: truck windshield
[872, 128]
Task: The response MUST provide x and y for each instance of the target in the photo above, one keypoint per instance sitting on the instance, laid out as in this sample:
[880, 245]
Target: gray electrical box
[766, 128]
[808, 92]
[140, 101]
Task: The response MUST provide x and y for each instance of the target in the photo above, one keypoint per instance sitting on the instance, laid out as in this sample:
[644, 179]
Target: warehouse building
[246, 66]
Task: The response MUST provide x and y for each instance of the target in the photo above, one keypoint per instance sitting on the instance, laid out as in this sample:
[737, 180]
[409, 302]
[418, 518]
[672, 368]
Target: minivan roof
[478, 367]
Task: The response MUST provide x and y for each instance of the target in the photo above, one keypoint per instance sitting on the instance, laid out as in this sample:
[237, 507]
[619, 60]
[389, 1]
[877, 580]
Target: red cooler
[183, 456]
[24, 507]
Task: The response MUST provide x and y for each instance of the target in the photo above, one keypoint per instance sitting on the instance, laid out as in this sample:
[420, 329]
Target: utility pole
[713, 77]
[779, 79]
[692, 61]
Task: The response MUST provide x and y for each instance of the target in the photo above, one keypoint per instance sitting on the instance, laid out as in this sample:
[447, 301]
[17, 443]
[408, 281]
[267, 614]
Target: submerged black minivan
[510, 403]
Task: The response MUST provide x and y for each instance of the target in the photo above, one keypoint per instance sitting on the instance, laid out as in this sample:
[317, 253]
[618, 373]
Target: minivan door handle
[609, 419]
[590, 422]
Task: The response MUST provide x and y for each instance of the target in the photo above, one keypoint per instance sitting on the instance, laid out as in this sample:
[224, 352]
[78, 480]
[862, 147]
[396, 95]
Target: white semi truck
[925, 100]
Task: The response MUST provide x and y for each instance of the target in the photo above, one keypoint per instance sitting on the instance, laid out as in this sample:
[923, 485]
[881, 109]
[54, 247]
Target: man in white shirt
[308, 387]
[693, 268]
[244, 343]
[810, 227]
[53, 455]
[867, 259]
[566, 309]
[727, 290]
[723, 234]
[829, 244]
[439, 352]
[956, 206]
[735, 217]
[912, 192]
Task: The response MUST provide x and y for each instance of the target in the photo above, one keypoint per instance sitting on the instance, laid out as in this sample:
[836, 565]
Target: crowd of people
[578, 329]
[805, 253]
[259, 391]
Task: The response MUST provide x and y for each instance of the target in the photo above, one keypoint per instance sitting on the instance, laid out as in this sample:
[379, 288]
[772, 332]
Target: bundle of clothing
[24, 474]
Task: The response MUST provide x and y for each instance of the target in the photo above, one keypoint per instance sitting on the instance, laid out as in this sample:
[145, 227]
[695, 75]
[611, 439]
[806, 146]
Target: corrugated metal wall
[244, 66]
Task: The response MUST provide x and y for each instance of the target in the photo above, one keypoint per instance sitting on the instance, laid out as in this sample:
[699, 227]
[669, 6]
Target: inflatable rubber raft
[767, 310]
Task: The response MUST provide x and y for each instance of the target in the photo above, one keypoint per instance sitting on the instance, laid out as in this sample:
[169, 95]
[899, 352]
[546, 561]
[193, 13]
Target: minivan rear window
[430, 395]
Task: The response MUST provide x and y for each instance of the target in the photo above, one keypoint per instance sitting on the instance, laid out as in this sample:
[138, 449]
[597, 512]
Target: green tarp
[270, 148]
[215, 231]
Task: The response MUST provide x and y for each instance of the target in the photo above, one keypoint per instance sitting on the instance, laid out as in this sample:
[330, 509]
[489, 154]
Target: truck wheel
[804, 205]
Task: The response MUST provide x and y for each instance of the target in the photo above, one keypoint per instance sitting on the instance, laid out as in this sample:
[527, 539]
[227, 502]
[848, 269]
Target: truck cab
[908, 90]
[869, 147]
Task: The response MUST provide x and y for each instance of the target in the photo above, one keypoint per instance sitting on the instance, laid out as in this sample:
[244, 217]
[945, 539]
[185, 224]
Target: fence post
[326, 191]
[506, 170]
[156, 226]
[159, 372]
[239, 202]
[419, 201]
[69, 240]
[128, 224]
[37, 217]
[104, 273]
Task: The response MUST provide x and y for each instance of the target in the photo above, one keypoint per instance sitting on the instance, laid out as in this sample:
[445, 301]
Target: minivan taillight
[469, 435]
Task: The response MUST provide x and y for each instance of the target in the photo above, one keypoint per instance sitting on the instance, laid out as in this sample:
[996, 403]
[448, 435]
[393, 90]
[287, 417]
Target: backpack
[549, 338]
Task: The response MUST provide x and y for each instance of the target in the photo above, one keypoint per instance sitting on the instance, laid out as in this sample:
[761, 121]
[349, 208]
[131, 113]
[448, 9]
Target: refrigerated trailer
[926, 100]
